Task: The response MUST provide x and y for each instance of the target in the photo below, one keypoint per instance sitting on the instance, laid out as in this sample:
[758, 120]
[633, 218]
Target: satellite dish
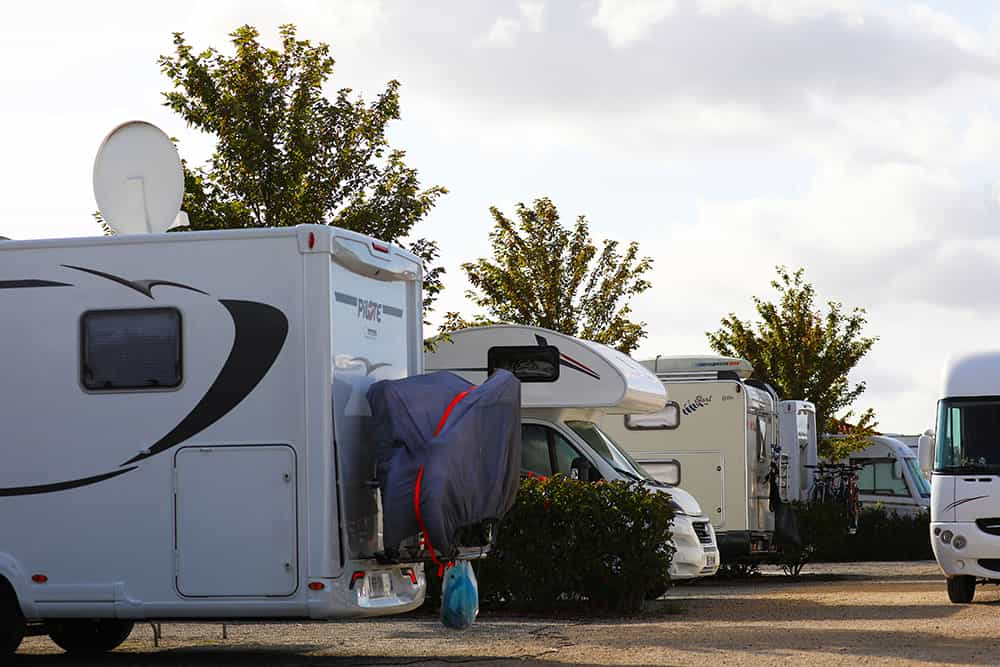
[138, 180]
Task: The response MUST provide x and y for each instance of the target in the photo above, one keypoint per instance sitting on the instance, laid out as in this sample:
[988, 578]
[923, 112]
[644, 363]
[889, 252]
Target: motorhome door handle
[718, 468]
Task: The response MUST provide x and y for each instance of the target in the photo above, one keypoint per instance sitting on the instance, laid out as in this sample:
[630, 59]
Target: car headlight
[958, 542]
[946, 536]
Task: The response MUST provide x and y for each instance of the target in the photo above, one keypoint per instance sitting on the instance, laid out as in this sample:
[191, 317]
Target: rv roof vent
[138, 180]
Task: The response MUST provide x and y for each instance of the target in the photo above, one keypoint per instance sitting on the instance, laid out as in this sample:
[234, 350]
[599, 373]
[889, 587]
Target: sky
[854, 139]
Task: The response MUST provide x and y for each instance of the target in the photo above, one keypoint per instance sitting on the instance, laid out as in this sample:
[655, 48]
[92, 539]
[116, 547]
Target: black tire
[12, 625]
[961, 589]
[89, 637]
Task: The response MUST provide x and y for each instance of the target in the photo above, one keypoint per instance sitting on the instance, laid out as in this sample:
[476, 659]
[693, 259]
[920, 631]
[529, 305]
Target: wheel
[12, 623]
[89, 637]
[961, 589]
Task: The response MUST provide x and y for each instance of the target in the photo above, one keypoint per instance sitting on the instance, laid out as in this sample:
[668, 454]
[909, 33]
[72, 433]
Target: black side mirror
[581, 469]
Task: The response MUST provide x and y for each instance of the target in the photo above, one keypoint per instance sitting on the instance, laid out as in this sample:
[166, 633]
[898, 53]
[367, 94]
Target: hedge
[882, 535]
[566, 543]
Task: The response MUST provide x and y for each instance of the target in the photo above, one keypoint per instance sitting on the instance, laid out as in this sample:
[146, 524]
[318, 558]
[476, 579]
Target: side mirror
[897, 469]
[580, 469]
[925, 453]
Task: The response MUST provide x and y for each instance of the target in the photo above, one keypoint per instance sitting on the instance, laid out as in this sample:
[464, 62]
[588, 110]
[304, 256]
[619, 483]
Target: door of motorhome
[569, 387]
[797, 449]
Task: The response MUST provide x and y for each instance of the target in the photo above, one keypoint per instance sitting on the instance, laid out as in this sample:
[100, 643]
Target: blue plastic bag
[459, 596]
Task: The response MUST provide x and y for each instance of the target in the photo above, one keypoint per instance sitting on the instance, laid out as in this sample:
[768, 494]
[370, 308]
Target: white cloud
[532, 11]
[504, 32]
[626, 21]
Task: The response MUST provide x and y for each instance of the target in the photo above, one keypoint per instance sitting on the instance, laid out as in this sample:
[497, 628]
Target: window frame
[632, 427]
[82, 349]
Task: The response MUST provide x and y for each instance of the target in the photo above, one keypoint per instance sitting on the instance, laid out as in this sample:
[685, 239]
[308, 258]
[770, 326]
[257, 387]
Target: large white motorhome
[184, 428]
[722, 430]
[965, 507]
[569, 385]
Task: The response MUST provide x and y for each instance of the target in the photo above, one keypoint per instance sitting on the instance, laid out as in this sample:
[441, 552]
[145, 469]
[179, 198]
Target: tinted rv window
[528, 363]
[131, 349]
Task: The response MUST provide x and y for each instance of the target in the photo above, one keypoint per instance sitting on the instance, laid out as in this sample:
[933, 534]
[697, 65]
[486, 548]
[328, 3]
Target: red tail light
[356, 576]
[380, 247]
[316, 585]
[39, 578]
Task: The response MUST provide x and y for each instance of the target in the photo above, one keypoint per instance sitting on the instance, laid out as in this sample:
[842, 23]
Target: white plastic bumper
[693, 558]
[965, 560]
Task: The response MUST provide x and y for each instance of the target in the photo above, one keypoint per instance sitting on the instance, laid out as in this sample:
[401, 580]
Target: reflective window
[879, 477]
[131, 349]
[535, 450]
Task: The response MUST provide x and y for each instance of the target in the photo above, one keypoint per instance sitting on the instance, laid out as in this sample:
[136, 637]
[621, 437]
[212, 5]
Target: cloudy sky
[855, 139]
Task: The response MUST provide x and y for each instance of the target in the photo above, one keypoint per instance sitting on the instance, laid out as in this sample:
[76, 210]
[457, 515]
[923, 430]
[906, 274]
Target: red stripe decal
[569, 358]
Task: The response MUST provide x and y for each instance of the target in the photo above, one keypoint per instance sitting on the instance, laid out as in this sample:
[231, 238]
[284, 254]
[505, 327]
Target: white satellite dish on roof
[138, 180]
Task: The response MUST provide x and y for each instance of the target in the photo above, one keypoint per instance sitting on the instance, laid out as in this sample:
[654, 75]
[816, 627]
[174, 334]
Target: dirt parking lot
[867, 614]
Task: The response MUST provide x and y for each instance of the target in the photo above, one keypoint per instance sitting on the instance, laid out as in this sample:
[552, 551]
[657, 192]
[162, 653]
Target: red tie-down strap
[420, 477]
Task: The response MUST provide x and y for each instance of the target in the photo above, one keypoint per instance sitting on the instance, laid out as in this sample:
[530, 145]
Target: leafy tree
[548, 275]
[285, 153]
[806, 354]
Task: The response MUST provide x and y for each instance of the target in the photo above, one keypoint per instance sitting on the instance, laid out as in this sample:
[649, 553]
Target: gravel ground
[885, 613]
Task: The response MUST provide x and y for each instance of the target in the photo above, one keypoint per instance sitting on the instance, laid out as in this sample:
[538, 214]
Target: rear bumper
[966, 561]
[693, 557]
[352, 596]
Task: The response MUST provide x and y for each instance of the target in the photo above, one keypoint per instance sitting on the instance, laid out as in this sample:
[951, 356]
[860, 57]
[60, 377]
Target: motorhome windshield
[922, 485]
[968, 439]
[607, 449]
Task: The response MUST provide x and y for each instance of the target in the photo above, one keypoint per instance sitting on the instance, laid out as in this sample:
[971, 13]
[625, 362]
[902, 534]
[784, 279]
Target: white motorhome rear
[965, 482]
[722, 437]
[184, 427]
[569, 386]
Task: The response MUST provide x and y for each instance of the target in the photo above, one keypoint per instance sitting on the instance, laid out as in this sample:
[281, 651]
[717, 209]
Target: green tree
[548, 275]
[285, 154]
[806, 354]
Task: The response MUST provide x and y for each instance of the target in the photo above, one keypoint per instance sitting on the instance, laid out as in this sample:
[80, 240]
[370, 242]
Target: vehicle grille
[990, 563]
[702, 531]
[991, 526]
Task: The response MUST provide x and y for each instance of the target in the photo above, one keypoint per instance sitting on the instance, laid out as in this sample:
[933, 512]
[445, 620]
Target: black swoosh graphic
[21, 284]
[144, 287]
[962, 502]
[261, 331]
[61, 486]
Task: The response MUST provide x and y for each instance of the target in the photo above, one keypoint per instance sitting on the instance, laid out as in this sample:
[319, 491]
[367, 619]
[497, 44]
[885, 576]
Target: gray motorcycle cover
[448, 453]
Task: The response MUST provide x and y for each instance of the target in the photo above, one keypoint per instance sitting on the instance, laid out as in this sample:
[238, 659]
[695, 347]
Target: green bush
[603, 545]
[881, 535]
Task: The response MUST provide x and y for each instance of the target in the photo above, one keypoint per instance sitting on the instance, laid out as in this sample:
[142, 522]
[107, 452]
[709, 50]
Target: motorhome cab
[721, 430]
[965, 483]
[183, 430]
[568, 386]
[890, 476]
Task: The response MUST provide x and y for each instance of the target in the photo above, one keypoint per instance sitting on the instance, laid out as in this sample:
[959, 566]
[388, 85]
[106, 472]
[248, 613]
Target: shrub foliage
[882, 535]
[600, 545]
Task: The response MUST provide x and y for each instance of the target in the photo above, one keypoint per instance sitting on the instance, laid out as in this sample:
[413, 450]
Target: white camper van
[890, 476]
[721, 430]
[568, 385]
[965, 504]
[183, 428]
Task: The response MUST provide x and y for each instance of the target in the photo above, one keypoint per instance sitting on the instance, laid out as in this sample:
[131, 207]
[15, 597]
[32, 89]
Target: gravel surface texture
[882, 613]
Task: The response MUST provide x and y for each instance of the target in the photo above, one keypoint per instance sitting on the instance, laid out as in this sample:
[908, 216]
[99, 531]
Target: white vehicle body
[237, 488]
[890, 476]
[592, 382]
[798, 449]
[965, 483]
[723, 441]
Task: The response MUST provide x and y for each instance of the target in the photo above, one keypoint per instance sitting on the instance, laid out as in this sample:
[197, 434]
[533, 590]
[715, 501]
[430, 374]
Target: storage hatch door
[235, 521]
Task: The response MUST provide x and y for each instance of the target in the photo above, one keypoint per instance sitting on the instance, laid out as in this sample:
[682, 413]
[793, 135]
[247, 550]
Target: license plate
[379, 585]
[709, 560]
